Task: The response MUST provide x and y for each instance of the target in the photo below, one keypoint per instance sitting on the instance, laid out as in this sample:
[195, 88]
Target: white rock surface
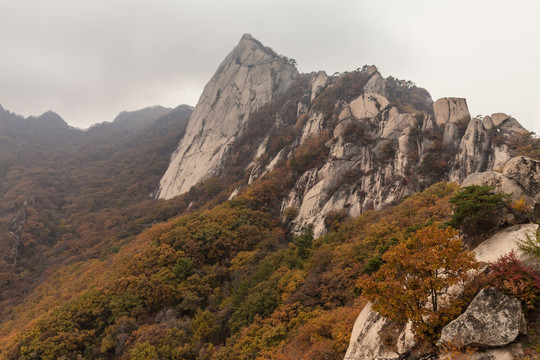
[450, 110]
[249, 77]
[368, 105]
[313, 126]
[474, 151]
[320, 81]
[365, 338]
[504, 242]
[375, 84]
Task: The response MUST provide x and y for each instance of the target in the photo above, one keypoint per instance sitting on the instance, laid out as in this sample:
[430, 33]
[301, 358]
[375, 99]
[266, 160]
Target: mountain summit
[377, 139]
[249, 77]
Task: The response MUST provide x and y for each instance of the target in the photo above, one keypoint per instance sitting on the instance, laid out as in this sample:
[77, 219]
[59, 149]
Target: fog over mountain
[88, 61]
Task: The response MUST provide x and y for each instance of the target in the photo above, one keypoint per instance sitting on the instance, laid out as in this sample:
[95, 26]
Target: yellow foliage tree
[415, 274]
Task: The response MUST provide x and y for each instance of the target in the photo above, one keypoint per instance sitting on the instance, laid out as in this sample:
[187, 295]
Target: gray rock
[510, 352]
[319, 82]
[451, 135]
[507, 123]
[500, 182]
[451, 110]
[366, 340]
[474, 151]
[249, 77]
[368, 105]
[503, 242]
[492, 320]
[526, 172]
[498, 118]
[488, 123]
[376, 83]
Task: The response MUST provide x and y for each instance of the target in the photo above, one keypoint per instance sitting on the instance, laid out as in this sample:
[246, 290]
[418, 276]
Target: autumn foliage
[228, 283]
[513, 277]
[416, 273]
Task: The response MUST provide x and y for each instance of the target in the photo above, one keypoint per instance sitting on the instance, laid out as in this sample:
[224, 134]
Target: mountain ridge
[323, 175]
[387, 139]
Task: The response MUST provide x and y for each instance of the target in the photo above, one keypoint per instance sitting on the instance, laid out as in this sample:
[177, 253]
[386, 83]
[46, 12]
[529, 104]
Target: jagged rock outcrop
[526, 172]
[506, 123]
[451, 110]
[519, 178]
[249, 77]
[319, 81]
[379, 154]
[500, 183]
[366, 340]
[493, 319]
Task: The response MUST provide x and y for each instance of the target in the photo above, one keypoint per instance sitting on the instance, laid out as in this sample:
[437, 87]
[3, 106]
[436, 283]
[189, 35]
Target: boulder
[526, 172]
[451, 110]
[504, 242]
[488, 123]
[507, 123]
[493, 319]
[498, 118]
[366, 342]
[368, 105]
[500, 182]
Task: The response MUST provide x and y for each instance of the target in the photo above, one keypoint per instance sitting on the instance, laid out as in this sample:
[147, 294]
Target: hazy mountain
[278, 191]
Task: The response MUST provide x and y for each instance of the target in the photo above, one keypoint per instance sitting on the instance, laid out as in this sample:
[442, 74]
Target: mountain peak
[140, 117]
[251, 52]
[251, 76]
[52, 118]
[247, 36]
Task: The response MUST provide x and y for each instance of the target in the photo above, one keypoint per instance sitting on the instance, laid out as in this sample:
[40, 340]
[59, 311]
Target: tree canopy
[415, 274]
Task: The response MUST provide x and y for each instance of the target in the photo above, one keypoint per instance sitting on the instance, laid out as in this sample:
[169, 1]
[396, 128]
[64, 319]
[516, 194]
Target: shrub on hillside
[473, 208]
[514, 278]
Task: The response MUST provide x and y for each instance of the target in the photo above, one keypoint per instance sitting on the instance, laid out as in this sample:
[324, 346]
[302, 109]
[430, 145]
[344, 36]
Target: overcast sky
[90, 60]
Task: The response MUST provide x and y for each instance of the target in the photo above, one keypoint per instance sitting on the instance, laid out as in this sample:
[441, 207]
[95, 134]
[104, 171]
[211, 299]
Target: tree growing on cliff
[415, 275]
[473, 206]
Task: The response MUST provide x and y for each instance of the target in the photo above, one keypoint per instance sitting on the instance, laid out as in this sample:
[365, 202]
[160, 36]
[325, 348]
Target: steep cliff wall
[249, 77]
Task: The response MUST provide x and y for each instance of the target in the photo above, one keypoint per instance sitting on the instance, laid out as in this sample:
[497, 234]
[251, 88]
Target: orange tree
[415, 274]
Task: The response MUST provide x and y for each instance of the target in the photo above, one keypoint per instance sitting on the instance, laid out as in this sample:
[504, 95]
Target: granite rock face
[493, 319]
[451, 110]
[519, 177]
[366, 341]
[526, 172]
[505, 241]
[249, 77]
[381, 148]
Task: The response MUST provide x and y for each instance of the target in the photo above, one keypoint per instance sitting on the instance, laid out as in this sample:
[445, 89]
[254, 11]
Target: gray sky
[90, 60]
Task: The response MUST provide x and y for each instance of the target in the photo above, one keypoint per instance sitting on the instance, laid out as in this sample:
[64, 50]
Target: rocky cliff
[249, 77]
[379, 153]
[385, 138]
